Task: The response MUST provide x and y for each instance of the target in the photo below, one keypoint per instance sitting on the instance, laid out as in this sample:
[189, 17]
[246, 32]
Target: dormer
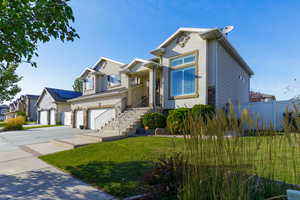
[103, 76]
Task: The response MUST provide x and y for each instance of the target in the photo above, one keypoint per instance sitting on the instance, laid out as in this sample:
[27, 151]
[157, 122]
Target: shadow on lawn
[120, 179]
[46, 184]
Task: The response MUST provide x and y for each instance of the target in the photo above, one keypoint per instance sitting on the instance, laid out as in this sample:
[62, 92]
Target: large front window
[183, 76]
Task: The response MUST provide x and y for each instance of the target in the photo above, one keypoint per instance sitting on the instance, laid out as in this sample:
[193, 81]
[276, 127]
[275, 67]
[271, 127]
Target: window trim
[93, 83]
[187, 65]
[113, 86]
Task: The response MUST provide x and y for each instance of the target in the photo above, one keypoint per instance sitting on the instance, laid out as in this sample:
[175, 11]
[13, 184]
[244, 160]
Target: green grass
[117, 167]
[2, 124]
[39, 126]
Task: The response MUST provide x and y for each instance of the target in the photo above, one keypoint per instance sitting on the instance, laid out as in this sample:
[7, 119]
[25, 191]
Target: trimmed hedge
[176, 120]
[204, 111]
[154, 120]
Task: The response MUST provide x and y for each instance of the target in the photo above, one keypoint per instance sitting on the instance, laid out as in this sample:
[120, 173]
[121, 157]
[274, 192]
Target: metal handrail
[116, 108]
[116, 122]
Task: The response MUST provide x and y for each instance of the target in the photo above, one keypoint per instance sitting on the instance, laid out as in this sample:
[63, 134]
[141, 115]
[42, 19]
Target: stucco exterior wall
[195, 43]
[96, 103]
[46, 102]
[61, 107]
[229, 85]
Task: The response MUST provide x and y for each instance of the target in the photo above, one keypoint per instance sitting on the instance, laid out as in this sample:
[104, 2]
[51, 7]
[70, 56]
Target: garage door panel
[52, 117]
[66, 118]
[44, 117]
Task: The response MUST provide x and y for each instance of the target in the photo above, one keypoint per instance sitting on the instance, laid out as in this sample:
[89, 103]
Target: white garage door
[52, 117]
[79, 118]
[98, 117]
[66, 118]
[44, 117]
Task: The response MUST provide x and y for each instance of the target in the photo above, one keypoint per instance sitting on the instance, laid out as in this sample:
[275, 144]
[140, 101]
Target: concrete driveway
[23, 176]
[11, 140]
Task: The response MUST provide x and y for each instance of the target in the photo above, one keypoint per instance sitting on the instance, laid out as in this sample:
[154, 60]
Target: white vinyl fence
[271, 111]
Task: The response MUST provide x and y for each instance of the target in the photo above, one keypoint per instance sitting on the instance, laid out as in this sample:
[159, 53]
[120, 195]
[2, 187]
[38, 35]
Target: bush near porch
[176, 120]
[154, 120]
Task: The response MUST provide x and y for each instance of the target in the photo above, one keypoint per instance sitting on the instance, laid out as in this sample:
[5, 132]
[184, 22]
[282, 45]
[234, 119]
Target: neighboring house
[27, 104]
[53, 107]
[193, 66]
[261, 97]
[3, 110]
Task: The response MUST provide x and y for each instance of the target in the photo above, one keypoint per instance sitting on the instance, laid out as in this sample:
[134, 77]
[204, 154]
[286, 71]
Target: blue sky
[266, 34]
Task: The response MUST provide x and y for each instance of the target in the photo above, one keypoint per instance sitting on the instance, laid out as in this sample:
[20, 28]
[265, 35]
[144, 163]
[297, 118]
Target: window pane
[176, 62]
[176, 84]
[189, 59]
[114, 79]
[89, 83]
[189, 81]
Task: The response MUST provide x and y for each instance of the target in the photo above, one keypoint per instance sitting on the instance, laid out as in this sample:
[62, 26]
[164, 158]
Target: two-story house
[26, 104]
[192, 66]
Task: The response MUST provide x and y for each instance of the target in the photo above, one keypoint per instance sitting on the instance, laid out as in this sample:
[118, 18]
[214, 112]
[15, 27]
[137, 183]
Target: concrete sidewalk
[24, 177]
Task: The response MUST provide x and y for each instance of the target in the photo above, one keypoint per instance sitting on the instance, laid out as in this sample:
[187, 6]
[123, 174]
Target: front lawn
[116, 167]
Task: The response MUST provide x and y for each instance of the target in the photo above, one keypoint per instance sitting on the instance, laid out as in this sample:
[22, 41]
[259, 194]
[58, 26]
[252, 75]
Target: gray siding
[229, 85]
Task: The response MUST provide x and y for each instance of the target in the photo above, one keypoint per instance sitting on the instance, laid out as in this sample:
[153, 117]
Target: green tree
[77, 85]
[23, 25]
[8, 83]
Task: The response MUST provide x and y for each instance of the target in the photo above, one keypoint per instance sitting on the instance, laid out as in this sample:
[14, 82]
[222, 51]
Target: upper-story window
[89, 83]
[183, 60]
[114, 80]
[183, 75]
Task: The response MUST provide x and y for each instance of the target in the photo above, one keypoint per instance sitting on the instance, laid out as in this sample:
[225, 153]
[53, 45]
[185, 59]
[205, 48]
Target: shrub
[23, 114]
[166, 177]
[176, 120]
[154, 120]
[202, 111]
[14, 123]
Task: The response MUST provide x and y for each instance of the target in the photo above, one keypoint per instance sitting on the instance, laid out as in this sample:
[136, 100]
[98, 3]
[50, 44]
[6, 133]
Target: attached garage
[54, 102]
[43, 117]
[52, 117]
[98, 117]
[79, 118]
[66, 118]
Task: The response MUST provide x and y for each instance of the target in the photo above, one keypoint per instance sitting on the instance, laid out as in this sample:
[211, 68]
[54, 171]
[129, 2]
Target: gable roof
[60, 95]
[138, 60]
[107, 59]
[207, 33]
[180, 30]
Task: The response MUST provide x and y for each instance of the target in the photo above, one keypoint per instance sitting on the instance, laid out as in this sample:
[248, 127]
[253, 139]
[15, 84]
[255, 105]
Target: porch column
[85, 118]
[152, 87]
[73, 119]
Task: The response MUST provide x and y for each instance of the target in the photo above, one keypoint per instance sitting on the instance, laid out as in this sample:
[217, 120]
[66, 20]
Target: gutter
[216, 34]
[97, 95]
